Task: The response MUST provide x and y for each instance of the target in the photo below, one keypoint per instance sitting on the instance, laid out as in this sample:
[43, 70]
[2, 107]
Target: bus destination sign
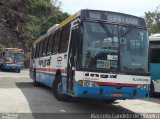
[115, 17]
[122, 19]
[15, 50]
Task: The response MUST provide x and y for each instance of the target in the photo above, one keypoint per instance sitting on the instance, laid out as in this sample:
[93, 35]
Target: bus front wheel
[57, 89]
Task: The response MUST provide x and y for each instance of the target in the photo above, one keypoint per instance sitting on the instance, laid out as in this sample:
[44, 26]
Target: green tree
[153, 20]
[51, 21]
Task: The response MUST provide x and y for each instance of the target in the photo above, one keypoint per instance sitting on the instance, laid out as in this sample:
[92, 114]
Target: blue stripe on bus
[12, 67]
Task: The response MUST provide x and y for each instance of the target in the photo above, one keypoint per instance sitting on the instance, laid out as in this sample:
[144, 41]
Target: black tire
[56, 89]
[35, 83]
[17, 70]
[108, 101]
[152, 93]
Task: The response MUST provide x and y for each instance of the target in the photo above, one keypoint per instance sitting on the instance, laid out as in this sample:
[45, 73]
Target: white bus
[155, 63]
[94, 54]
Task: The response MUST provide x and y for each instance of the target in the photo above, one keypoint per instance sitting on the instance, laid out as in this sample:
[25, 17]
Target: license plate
[117, 94]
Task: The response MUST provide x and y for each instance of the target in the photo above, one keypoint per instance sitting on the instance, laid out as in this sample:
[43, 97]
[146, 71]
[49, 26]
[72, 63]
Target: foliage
[51, 21]
[153, 21]
[41, 7]
[44, 14]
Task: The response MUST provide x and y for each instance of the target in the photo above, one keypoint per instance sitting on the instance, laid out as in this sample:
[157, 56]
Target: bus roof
[155, 37]
[9, 49]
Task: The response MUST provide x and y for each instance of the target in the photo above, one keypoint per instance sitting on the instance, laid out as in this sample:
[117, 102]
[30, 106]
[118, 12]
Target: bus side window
[40, 48]
[56, 42]
[50, 44]
[45, 46]
[155, 56]
[37, 51]
[33, 51]
[65, 39]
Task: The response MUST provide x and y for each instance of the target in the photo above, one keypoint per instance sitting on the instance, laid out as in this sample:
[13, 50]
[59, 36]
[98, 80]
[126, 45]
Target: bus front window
[112, 47]
[133, 49]
[100, 46]
[18, 57]
[8, 57]
[14, 57]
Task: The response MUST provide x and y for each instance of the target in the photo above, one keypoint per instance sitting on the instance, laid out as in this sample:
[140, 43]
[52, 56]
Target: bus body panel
[155, 71]
[155, 61]
[45, 71]
[156, 86]
[107, 85]
[128, 86]
[155, 76]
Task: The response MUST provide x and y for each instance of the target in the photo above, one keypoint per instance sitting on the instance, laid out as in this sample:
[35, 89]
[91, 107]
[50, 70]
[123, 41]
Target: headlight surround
[7, 64]
[87, 83]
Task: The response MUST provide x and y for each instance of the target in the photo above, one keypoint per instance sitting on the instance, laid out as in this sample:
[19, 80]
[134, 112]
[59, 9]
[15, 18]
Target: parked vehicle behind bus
[155, 63]
[12, 59]
[94, 54]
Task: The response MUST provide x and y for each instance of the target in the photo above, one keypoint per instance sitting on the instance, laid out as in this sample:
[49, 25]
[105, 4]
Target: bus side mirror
[79, 23]
[149, 33]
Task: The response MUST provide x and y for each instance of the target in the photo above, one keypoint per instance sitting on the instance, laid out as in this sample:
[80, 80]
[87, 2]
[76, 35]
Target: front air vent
[104, 76]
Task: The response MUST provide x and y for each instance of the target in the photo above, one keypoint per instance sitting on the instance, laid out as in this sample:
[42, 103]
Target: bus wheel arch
[35, 83]
[57, 87]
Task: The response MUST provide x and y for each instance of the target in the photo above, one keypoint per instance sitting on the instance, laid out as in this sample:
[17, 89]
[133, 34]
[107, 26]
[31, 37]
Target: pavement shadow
[44, 105]
[8, 71]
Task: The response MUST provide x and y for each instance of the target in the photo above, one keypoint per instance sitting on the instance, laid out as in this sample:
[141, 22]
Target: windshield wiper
[106, 29]
[127, 32]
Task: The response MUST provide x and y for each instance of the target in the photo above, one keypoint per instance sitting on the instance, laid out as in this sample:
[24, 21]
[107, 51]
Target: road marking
[62, 110]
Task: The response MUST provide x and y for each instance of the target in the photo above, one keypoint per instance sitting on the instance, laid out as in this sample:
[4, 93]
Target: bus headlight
[143, 86]
[87, 83]
[80, 82]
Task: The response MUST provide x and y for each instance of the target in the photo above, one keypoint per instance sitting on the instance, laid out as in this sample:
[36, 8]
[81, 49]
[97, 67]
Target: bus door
[72, 60]
[155, 67]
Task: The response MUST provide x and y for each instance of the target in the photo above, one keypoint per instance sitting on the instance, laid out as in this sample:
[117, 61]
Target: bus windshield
[14, 57]
[114, 47]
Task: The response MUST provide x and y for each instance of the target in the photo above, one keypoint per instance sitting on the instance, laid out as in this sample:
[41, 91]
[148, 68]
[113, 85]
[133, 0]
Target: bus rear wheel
[57, 89]
[17, 70]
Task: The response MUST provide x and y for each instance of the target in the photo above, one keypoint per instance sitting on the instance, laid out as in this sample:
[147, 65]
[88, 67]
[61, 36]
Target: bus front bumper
[110, 92]
[12, 67]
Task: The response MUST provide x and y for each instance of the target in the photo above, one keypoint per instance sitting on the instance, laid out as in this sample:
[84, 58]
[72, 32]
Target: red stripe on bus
[115, 84]
[50, 70]
[13, 63]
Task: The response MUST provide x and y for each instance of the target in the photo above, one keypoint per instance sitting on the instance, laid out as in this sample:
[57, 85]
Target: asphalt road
[18, 95]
